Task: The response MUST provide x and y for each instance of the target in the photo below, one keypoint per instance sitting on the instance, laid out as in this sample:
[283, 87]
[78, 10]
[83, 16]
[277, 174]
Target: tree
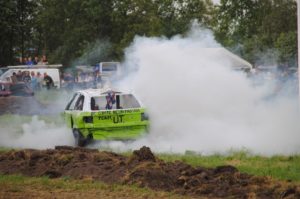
[16, 19]
[286, 44]
[256, 26]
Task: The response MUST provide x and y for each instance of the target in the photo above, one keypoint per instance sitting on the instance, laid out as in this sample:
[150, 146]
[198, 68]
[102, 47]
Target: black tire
[79, 139]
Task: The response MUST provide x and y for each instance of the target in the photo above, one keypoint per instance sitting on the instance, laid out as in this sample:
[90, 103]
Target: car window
[71, 104]
[126, 101]
[79, 103]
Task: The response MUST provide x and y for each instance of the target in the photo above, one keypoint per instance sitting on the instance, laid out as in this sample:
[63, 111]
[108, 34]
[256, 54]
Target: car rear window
[125, 101]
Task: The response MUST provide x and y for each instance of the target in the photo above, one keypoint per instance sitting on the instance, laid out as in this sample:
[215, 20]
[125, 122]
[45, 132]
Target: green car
[105, 114]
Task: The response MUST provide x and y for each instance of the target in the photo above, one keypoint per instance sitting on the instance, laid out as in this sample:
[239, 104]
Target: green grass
[22, 184]
[277, 167]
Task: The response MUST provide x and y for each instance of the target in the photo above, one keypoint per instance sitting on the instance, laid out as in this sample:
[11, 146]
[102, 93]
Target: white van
[51, 70]
[110, 70]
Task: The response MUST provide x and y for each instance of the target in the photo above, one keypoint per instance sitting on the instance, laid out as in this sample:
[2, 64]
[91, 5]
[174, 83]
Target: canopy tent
[235, 61]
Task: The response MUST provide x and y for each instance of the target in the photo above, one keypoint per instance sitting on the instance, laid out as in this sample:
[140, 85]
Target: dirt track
[145, 170]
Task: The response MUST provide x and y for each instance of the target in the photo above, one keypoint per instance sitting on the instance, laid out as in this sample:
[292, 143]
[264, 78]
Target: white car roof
[99, 92]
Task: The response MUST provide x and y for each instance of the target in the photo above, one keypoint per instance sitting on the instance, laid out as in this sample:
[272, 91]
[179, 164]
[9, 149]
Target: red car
[18, 89]
[5, 89]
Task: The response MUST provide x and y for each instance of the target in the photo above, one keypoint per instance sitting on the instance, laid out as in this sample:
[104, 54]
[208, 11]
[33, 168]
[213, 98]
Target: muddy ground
[145, 170]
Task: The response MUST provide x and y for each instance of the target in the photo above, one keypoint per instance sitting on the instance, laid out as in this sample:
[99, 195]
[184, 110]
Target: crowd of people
[80, 79]
[36, 61]
[36, 81]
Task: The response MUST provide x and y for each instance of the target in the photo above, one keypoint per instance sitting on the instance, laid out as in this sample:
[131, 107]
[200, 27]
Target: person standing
[40, 80]
[33, 81]
[48, 81]
[14, 78]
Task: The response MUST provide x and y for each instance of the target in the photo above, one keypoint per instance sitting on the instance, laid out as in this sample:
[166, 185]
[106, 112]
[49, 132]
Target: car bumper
[122, 133]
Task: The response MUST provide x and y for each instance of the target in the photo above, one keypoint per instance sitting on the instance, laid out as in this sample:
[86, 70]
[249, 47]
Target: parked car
[17, 89]
[105, 114]
[21, 89]
[5, 89]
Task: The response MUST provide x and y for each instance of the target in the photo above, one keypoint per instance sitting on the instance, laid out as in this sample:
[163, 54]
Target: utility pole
[298, 22]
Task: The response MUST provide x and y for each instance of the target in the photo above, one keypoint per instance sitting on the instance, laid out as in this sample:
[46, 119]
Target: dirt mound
[143, 169]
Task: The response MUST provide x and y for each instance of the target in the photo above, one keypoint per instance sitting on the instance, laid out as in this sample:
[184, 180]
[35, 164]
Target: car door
[69, 110]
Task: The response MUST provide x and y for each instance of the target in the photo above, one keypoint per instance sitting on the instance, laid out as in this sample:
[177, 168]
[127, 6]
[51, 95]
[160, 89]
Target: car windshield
[107, 67]
[3, 70]
[123, 101]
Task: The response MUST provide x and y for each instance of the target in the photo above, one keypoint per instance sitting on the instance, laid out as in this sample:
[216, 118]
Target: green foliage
[260, 27]
[16, 22]
[66, 30]
[278, 167]
[286, 44]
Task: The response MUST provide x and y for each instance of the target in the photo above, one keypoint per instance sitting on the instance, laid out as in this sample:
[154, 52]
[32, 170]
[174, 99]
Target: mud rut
[144, 169]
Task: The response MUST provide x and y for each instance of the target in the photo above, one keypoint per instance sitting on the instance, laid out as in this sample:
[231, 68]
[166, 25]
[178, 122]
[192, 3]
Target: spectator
[14, 78]
[39, 81]
[97, 79]
[26, 77]
[36, 60]
[25, 60]
[44, 59]
[19, 76]
[34, 81]
[20, 61]
[29, 61]
[48, 81]
[68, 80]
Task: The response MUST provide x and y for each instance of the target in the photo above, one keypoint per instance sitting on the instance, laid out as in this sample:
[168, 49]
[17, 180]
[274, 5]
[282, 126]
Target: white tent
[235, 61]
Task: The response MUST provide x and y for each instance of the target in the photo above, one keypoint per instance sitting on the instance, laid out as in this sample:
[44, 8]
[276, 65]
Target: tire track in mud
[144, 169]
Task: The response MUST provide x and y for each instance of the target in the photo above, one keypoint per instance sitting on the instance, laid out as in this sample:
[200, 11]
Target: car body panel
[5, 89]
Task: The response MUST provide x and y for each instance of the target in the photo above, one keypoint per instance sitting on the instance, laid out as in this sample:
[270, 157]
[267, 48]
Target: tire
[79, 139]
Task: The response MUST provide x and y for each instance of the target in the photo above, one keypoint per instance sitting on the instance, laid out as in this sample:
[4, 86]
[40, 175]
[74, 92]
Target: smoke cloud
[35, 134]
[40, 125]
[196, 100]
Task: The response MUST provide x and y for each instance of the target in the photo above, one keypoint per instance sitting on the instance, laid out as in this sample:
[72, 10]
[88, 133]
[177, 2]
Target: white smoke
[197, 102]
[35, 134]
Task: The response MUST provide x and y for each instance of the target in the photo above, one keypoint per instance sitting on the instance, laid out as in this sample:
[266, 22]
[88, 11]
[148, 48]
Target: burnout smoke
[27, 131]
[36, 134]
[198, 102]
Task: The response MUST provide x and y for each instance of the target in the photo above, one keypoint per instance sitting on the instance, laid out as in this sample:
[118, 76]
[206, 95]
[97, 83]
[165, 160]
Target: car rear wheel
[79, 139]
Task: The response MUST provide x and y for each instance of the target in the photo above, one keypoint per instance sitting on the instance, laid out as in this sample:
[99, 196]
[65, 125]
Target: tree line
[66, 30]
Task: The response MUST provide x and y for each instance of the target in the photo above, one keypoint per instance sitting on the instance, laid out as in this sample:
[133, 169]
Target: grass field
[16, 186]
[277, 167]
